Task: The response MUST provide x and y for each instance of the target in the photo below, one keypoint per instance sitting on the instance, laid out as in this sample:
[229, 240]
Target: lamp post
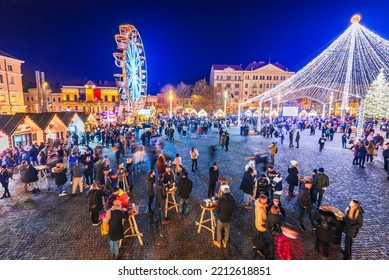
[171, 104]
[225, 103]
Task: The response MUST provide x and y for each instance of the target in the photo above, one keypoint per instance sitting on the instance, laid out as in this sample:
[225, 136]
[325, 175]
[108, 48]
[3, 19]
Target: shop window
[32, 98]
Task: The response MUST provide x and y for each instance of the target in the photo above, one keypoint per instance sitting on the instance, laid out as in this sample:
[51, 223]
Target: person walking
[344, 141]
[353, 222]
[304, 203]
[77, 177]
[320, 184]
[362, 155]
[213, 178]
[61, 178]
[183, 191]
[272, 151]
[225, 208]
[95, 201]
[297, 139]
[115, 217]
[322, 141]
[292, 178]
[291, 138]
[227, 140]
[194, 154]
[4, 181]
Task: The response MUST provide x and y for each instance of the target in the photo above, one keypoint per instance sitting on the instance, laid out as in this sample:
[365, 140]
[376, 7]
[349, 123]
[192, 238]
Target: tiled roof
[223, 66]
[66, 117]
[255, 65]
[9, 123]
[42, 119]
[7, 55]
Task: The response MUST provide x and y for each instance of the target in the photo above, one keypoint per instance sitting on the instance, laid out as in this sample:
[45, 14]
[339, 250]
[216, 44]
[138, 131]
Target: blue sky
[74, 40]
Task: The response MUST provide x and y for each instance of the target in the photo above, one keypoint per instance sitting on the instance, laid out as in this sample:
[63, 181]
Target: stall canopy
[202, 113]
[218, 113]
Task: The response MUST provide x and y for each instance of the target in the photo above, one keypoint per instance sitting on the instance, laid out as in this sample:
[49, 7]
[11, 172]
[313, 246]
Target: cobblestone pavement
[52, 227]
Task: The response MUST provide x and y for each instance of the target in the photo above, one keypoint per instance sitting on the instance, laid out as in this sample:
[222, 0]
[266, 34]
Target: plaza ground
[59, 228]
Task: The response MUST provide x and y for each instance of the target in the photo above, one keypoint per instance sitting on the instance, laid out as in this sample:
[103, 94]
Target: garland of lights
[334, 71]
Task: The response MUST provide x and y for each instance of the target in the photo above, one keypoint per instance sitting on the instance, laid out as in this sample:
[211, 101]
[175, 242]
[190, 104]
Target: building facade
[54, 100]
[240, 85]
[89, 98]
[11, 86]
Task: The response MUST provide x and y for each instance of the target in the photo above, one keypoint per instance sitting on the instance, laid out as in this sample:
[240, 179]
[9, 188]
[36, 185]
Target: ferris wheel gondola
[132, 82]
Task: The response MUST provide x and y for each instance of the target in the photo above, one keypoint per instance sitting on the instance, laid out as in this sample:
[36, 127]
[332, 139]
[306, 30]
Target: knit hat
[321, 169]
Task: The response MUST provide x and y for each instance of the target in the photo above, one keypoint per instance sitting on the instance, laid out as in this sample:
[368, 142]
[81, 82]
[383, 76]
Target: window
[236, 100]
[2, 97]
[217, 77]
[239, 78]
[260, 85]
[228, 85]
[113, 99]
[236, 93]
[12, 82]
[282, 78]
[267, 85]
[32, 98]
[9, 67]
[221, 77]
[67, 97]
[268, 77]
[1, 79]
[76, 108]
[28, 99]
[13, 98]
[236, 85]
[219, 85]
[247, 77]
[262, 77]
[75, 97]
[228, 78]
[59, 99]
[276, 78]
[274, 85]
[105, 98]
[48, 99]
[246, 85]
[53, 99]
[255, 85]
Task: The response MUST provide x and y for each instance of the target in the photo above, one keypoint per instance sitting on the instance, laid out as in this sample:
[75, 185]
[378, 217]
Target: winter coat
[32, 174]
[362, 152]
[227, 141]
[304, 199]
[225, 208]
[320, 181]
[116, 230]
[60, 176]
[150, 186]
[351, 227]
[213, 175]
[130, 167]
[185, 188]
[260, 216]
[159, 190]
[247, 184]
[292, 178]
[99, 175]
[370, 149]
[160, 164]
[23, 173]
[89, 168]
[99, 194]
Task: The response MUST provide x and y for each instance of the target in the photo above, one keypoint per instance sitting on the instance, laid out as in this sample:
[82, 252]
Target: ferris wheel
[132, 82]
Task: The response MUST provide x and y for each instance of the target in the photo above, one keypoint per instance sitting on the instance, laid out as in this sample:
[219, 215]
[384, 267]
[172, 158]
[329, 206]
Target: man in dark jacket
[227, 142]
[160, 195]
[4, 180]
[304, 204]
[319, 186]
[32, 175]
[213, 178]
[89, 167]
[247, 186]
[184, 191]
[225, 208]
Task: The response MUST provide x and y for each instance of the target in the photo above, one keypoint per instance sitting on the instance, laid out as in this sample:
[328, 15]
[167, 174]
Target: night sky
[74, 39]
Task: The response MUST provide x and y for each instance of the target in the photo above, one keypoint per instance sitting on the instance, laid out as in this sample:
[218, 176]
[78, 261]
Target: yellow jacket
[260, 216]
[273, 149]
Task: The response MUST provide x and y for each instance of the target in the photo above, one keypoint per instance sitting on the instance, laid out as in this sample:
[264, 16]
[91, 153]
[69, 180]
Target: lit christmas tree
[377, 98]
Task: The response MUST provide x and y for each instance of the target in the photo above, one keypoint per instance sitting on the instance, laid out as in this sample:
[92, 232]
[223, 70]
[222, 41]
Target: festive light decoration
[346, 68]
[377, 98]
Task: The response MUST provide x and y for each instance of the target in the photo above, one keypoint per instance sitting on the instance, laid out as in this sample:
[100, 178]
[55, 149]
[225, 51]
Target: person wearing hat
[225, 208]
[115, 217]
[4, 180]
[168, 177]
[59, 172]
[184, 190]
[213, 178]
[319, 186]
[110, 178]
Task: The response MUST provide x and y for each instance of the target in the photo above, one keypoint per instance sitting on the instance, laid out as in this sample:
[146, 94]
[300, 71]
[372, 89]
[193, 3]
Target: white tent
[193, 112]
[202, 113]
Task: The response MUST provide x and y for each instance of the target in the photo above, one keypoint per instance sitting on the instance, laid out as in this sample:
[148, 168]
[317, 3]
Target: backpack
[93, 201]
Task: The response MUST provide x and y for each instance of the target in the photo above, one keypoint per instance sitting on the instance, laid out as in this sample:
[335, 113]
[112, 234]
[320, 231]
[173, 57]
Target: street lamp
[171, 104]
[225, 103]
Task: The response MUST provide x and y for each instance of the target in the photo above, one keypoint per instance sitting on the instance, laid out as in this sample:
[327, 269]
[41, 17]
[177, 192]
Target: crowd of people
[110, 184]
